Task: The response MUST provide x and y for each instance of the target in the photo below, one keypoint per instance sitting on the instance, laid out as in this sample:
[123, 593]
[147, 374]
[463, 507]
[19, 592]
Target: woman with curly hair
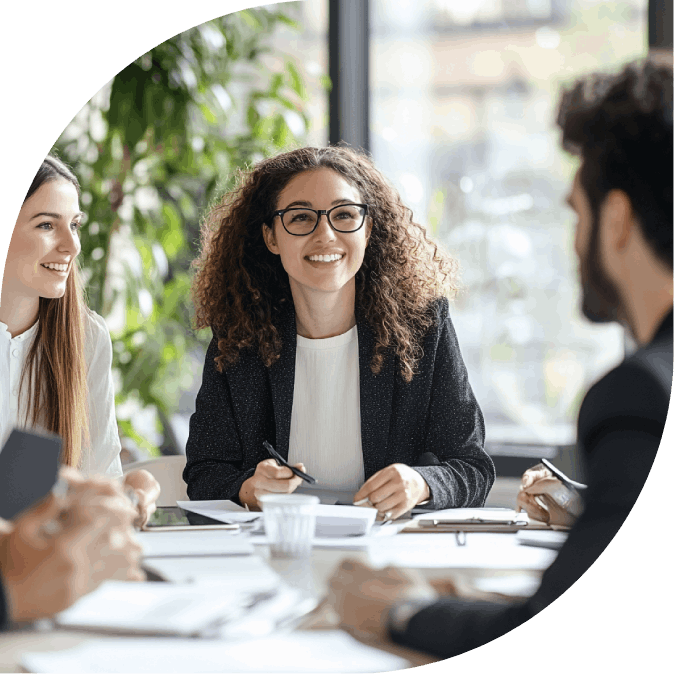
[331, 340]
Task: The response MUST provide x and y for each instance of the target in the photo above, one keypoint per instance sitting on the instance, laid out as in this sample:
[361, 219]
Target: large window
[463, 98]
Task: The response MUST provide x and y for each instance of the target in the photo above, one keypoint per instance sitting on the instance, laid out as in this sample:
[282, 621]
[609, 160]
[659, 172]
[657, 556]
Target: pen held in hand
[282, 462]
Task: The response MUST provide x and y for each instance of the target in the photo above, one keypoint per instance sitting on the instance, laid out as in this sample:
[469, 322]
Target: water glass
[290, 523]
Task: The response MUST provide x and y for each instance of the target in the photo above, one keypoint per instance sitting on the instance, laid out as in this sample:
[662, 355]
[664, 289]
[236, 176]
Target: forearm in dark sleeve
[214, 455]
[455, 432]
[4, 609]
[453, 626]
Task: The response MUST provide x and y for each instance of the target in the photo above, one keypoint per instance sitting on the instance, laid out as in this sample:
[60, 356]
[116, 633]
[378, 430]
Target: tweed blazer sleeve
[453, 425]
[215, 461]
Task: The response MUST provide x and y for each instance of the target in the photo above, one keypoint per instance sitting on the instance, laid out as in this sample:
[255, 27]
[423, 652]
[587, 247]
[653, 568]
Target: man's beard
[601, 299]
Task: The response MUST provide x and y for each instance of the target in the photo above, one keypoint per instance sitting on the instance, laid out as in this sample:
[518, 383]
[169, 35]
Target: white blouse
[325, 423]
[102, 456]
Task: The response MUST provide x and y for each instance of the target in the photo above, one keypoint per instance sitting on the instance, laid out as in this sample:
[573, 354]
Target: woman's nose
[323, 231]
[69, 242]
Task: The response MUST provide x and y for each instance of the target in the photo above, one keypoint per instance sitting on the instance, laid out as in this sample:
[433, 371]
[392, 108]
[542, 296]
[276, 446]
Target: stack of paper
[193, 543]
[311, 651]
[331, 520]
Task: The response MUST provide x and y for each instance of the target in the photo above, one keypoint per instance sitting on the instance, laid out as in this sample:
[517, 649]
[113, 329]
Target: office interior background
[455, 101]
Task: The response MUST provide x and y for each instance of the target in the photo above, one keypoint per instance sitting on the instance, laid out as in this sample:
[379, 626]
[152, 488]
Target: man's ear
[617, 219]
[270, 239]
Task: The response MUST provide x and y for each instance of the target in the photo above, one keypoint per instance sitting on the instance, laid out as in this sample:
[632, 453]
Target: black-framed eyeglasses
[345, 218]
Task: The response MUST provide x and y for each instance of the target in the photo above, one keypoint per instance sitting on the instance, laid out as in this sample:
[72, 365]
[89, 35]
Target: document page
[310, 651]
[193, 542]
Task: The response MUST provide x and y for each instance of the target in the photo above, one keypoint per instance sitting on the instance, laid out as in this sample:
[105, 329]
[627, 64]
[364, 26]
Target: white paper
[192, 542]
[155, 608]
[442, 551]
[542, 539]
[311, 651]
[251, 573]
[331, 520]
[223, 511]
[469, 515]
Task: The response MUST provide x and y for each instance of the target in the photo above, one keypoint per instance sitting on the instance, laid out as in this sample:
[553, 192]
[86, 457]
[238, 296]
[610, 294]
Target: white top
[102, 457]
[325, 422]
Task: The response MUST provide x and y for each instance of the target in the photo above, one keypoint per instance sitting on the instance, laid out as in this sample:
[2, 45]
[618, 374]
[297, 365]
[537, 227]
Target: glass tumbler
[290, 523]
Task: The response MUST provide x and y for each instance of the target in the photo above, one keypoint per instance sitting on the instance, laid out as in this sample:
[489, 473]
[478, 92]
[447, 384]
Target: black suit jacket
[620, 425]
[436, 412]
[4, 611]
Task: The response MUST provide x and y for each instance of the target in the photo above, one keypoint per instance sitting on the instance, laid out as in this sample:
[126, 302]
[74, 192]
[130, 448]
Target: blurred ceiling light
[466, 184]
[547, 38]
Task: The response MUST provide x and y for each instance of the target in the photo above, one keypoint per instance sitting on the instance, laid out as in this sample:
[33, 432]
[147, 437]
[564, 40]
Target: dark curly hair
[240, 287]
[621, 126]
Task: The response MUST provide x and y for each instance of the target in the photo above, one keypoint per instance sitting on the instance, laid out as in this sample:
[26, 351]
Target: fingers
[532, 507]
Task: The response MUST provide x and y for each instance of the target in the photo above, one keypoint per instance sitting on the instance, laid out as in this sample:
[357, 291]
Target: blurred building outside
[463, 103]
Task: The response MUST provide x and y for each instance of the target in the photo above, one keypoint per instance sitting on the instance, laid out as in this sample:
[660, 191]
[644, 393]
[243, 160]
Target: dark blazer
[436, 412]
[620, 425]
[4, 611]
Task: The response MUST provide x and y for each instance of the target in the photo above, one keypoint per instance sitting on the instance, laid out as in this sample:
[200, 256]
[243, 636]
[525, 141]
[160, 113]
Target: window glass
[463, 102]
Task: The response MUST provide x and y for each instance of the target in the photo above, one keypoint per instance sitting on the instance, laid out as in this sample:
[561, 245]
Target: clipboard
[439, 527]
[470, 520]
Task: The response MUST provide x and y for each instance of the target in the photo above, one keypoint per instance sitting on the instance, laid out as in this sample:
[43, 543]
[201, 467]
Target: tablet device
[172, 518]
[29, 464]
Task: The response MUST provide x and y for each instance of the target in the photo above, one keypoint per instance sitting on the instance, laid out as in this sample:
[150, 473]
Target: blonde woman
[55, 353]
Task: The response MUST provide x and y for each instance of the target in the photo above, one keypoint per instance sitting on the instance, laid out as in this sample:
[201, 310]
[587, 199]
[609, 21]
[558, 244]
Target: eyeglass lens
[346, 218]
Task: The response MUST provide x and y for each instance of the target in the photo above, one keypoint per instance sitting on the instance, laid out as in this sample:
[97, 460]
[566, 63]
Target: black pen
[282, 462]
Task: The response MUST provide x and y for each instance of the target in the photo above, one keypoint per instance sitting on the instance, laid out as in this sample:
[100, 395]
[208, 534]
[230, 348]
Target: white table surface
[483, 556]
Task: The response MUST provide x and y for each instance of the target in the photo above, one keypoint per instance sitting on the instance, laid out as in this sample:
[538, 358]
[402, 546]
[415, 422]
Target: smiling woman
[331, 340]
[55, 353]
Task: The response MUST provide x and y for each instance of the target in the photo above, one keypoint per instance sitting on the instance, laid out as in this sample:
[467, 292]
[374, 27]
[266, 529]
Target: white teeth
[56, 267]
[326, 258]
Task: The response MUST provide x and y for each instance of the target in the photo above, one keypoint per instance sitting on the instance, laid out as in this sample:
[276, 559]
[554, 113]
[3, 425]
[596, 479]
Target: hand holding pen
[272, 476]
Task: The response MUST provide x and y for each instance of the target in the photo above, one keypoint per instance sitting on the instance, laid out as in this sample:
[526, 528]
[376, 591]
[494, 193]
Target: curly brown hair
[240, 286]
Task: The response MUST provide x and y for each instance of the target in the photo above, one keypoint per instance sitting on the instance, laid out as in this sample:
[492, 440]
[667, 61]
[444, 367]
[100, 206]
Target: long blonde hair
[55, 369]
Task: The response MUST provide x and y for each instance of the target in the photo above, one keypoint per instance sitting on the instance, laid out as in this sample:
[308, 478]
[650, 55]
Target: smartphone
[29, 464]
[174, 518]
[566, 481]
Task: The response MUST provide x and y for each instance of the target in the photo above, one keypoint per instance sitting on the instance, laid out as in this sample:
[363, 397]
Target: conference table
[481, 565]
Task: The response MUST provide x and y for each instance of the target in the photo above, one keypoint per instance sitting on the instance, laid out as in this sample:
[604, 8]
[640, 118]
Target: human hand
[545, 499]
[394, 490]
[362, 596]
[269, 478]
[64, 547]
[147, 490]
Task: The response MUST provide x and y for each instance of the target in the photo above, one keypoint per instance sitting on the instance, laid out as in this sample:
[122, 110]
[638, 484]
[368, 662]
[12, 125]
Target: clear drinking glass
[290, 523]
